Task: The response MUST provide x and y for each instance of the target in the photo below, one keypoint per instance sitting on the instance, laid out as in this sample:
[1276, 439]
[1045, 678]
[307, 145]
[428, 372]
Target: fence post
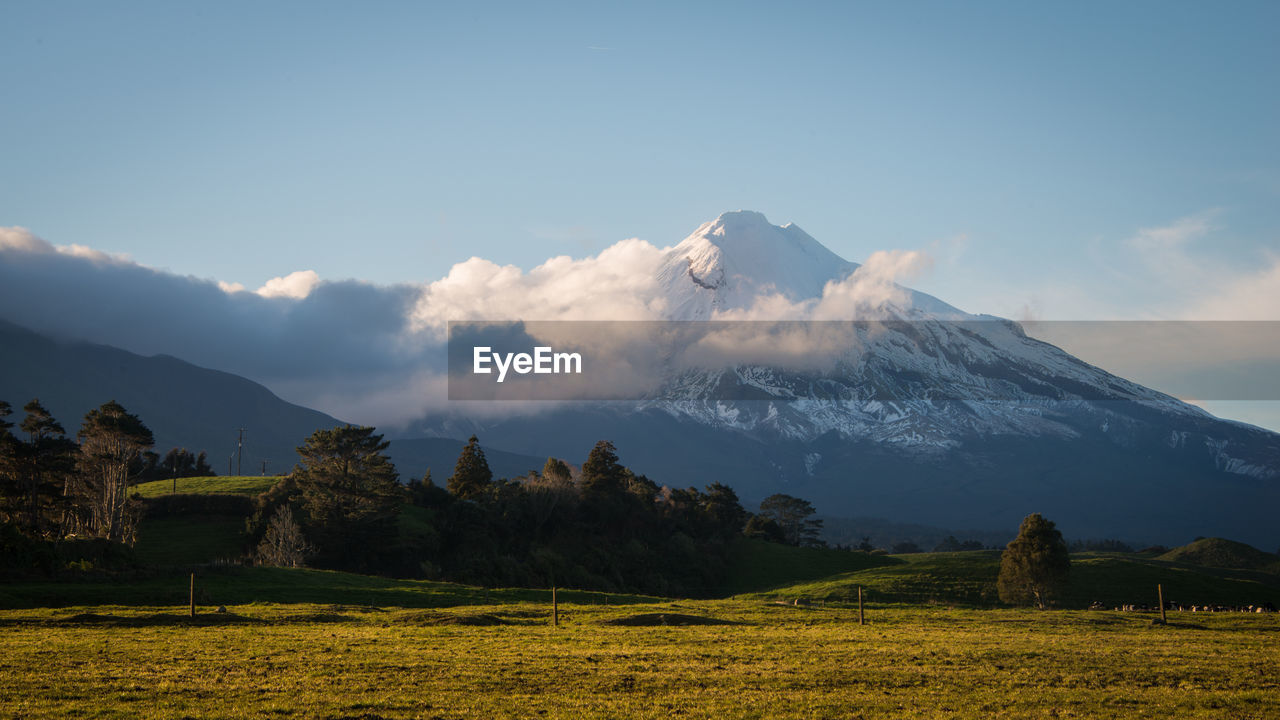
[1160, 595]
[862, 618]
[193, 594]
[555, 608]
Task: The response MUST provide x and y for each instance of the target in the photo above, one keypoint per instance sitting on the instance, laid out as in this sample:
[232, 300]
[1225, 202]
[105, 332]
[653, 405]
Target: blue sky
[1068, 161]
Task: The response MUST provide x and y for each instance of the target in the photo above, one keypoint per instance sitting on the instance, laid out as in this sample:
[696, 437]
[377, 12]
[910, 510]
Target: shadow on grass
[154, 620]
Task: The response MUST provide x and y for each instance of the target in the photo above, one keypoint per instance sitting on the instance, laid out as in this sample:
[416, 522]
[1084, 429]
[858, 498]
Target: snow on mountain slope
[929, 377]
[734, 261]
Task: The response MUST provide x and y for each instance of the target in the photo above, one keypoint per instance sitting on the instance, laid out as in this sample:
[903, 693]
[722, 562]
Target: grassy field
[226, 485]
[468, 657]
[320, 644]
[969, 578]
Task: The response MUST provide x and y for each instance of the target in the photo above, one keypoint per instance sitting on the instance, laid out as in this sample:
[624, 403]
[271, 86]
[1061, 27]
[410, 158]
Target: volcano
[941, 417]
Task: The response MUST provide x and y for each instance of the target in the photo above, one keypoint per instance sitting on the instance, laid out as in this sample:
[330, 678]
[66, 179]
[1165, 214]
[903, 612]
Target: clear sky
[1070, 160]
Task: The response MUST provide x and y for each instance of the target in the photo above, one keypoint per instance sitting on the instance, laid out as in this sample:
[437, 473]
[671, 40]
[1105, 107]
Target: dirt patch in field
[666, 619]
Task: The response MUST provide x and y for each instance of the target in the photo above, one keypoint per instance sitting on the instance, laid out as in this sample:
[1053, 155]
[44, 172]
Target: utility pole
[239, 451]
[264, 467]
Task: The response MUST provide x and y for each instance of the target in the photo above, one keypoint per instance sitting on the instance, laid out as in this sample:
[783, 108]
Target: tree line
[53, 486]
[601, 526]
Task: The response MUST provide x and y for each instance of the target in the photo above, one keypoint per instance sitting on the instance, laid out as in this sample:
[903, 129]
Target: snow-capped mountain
[733, 261]
[931, 414]
[923, 375]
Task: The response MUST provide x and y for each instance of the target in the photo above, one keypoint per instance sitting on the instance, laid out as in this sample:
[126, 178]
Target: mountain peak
[730, 261]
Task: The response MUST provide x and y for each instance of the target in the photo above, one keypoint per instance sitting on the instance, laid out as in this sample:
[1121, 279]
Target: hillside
[184, 405]
[969, 579]
[1220, 553]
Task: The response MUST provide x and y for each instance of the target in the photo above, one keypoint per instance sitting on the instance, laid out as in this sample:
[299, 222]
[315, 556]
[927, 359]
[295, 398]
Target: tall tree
[1035, 565]
[723, 507]
[45, 463]
[111, 439]
[471, 478]
[602, 474]
[795, 517]
[348, 494]
[9, 448]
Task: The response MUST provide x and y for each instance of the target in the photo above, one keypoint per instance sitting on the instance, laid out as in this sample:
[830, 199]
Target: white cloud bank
[374, 354]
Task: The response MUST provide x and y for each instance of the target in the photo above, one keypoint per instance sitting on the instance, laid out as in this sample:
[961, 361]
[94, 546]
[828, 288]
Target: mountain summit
[740, 258]
[729, 262]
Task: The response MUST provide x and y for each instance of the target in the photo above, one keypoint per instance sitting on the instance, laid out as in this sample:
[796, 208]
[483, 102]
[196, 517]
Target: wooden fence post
[862, 618]
[555, 608]
[1160, 595]
[193, 594]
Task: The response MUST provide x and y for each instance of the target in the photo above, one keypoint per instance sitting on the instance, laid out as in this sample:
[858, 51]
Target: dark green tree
[1035, 565]
[795, 517]
[9, 448]
[759, 527]
[722, 506]
[111, 441]
[45, 463]
[348, 496]
[602, 474]
[471, 478]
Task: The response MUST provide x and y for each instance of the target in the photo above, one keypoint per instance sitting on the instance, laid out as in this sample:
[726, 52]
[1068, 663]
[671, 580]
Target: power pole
[239, 451]
[264, 468]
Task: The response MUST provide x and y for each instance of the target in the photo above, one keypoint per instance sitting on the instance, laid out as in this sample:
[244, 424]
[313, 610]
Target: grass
[236, 585]
[501, 658]
[190, 540]
[760, 565]
[1217, 552]
[969, 579]
[224, 485]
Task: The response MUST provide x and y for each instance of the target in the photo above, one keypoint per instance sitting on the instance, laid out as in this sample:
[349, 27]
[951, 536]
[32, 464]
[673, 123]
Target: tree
[111, 439]
[471, 477]
[722, 506]
[602, 474]
[283, 545]
[556, 470]
[9, 449]
[1034, 566]
[793, 516]
[759, 527]
[348, 494]
[45, 463]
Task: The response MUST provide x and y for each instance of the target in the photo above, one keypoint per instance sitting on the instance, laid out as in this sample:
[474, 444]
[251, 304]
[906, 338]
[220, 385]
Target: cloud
[375, 354]
[367, 353]
[1247, 296]
[361, 352]
[296, 285]
[868, 293]
[20, 239]
[618, 284]
[1174, 236]
[307, 336]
